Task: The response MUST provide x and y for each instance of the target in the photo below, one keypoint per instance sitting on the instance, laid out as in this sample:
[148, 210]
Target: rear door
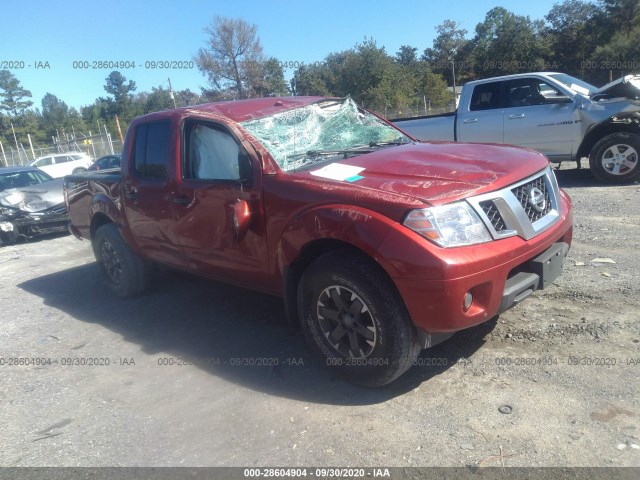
[482, 120]
[217, 172]
[63, 166]
[146, 196]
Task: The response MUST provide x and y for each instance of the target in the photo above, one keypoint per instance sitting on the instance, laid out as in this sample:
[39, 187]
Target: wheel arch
[99, 219]
[617, 124]
[324, 230]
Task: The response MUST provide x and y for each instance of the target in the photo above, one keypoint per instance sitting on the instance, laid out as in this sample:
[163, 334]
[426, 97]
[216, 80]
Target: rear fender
[102, 205]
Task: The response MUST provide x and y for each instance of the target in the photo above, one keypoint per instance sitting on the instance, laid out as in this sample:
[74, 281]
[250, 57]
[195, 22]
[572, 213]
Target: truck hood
[34, 198]
[625, 87]
[436, 172]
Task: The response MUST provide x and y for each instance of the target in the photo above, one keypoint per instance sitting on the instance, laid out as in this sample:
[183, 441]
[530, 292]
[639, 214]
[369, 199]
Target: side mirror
[241, 217]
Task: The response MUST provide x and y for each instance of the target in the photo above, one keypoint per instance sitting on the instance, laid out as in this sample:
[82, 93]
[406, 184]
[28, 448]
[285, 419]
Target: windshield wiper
[398, 141]
[328, 153]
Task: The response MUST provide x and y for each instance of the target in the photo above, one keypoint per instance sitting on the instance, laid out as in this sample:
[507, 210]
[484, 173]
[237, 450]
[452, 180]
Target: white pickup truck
[554, 113]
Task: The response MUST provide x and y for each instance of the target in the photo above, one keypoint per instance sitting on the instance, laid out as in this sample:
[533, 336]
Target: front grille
[491, 211]
[523, 194]
[526, 208]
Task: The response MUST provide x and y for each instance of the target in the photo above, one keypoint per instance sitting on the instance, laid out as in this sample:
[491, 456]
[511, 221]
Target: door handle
[519, 115]
[131, 195]
[470, 120]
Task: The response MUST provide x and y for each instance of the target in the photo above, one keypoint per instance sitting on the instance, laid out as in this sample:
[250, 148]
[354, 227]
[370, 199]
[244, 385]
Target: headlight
[452, 225]
[8, 212]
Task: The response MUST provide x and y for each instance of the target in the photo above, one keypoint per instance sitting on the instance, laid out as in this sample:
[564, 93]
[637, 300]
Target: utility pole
[15, 139]
[31, 145]
[119, 129]
[173, 97]
[3, 155]
[453, 72]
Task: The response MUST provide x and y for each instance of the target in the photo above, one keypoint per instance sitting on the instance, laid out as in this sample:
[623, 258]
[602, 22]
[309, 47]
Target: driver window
[526, 92]
[212, 154]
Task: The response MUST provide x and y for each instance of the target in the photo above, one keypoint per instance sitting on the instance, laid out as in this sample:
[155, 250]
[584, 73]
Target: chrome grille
[526, 208]
[523, 195]
[493, 214]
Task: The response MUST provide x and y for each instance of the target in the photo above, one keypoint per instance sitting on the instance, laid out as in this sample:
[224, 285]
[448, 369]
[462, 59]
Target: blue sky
[35, 32]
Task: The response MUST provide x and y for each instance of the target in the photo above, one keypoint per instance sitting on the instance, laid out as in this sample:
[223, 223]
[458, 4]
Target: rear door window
[486, 96]
[151, 150]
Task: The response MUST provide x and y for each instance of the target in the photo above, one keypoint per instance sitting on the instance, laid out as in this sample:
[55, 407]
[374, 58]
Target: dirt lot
[170, 388]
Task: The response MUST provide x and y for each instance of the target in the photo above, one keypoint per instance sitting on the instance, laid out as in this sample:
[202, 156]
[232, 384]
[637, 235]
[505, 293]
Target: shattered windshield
[309, 134]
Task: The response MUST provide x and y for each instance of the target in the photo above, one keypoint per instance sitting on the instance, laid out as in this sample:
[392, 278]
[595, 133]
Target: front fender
[628, 122]
[359, 227]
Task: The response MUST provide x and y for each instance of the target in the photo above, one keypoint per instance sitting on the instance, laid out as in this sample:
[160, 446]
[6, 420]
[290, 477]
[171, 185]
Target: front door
[217, 174]
[538, 116]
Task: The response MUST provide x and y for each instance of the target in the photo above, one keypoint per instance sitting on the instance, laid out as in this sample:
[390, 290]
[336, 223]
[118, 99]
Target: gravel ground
[552, 382]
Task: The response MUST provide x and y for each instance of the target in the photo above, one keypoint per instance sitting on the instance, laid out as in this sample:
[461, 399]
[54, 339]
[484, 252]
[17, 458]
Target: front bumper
[434, 282]
[32, 225]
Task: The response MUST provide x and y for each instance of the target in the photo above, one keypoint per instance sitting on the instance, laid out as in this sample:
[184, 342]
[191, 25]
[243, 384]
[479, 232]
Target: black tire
[331, 291]
[79, 170]
[8, 238]
[614, 158]
[124, 272]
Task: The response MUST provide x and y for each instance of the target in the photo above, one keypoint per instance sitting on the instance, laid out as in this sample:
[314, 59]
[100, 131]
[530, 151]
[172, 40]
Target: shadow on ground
[580, 177]
[186, 316]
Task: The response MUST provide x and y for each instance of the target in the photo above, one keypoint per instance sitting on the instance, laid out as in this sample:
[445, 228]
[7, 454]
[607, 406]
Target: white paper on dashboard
[337, 171]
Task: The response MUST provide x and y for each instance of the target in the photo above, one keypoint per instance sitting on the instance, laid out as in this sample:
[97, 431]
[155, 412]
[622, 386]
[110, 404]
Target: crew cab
[379, 245]
[561, 116]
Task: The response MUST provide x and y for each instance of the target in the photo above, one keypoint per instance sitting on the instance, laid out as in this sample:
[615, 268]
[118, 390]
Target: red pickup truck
[379, 245]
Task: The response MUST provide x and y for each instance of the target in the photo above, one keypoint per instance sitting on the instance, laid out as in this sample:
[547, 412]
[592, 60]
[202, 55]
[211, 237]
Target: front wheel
[124, 272]
[355, 320]
[614, 159]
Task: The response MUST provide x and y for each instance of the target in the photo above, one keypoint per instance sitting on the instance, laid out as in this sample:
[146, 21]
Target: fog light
[468, 300]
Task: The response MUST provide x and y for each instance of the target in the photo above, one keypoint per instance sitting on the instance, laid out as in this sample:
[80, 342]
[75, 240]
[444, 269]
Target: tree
[14, 99]
[622, 14]
[434, 89]
[55, 114]
[407, 56]
[572, 34]
[233, 60]
[506, 43]
[447, 48]
[187, 98]
[122, 93]
[621, 54]
[266, 79]
[159, 99]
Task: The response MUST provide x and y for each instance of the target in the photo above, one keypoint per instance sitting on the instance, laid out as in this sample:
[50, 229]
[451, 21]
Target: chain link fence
[95, 146]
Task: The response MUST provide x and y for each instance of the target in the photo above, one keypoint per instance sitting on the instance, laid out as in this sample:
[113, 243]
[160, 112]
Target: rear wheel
[124, 272]
[355, 320]
[79, 170]
[614, 159]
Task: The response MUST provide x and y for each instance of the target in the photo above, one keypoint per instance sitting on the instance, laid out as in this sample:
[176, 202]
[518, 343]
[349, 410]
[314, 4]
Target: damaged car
[560, 116]
[31, 204]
